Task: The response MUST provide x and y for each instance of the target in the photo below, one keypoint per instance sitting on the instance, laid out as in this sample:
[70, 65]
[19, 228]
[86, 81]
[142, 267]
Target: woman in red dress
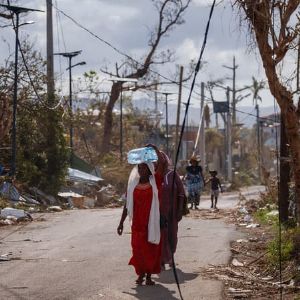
[142, 206]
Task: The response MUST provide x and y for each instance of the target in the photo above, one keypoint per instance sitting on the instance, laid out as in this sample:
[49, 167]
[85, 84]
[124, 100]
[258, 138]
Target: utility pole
[167, 122]
[70, 55]
[122, 80]
[229, 139]
[202, 130]
[258, 141]
[50, 64]
[178, 110]
[233, 68]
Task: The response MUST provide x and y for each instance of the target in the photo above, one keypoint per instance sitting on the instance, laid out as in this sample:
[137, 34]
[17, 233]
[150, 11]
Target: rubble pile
[107, 196]
[11, 216]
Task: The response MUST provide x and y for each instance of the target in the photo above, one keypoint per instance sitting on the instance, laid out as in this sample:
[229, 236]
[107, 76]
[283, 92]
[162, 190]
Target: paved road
[77, 255]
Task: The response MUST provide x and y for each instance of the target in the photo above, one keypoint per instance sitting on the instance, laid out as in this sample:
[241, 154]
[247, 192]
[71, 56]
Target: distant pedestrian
[215, 188]
[194, 182]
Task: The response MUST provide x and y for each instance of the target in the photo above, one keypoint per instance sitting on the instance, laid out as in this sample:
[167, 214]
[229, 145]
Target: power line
[183, 127]
[118, 50]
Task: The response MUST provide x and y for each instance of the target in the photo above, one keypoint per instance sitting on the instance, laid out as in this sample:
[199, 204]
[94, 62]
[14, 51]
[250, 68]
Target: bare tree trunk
[169, 14]
[108, 117]
[5, 117]
[289, 113]
[258, 13]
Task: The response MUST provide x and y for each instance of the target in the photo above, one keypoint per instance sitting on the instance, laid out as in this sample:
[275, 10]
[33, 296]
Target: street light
[70, 55]
[22, 24]
[122, 79]
[16, 10]
[187, 127]
[167, 122]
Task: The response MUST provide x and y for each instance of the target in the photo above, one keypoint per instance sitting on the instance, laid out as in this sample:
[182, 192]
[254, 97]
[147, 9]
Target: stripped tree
[170, 13]
[275, 26]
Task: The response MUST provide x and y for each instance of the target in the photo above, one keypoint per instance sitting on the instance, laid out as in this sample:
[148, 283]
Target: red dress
[145, 256]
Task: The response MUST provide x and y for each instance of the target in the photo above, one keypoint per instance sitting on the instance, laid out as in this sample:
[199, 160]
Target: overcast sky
[126, 25]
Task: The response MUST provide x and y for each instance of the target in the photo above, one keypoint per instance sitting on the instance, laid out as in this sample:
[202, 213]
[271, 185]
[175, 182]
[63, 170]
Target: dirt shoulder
[249, 275]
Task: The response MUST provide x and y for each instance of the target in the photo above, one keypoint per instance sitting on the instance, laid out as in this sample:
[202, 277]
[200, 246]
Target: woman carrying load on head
[142, 206]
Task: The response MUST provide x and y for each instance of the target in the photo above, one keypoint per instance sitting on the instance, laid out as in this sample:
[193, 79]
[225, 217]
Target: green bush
[289, 246]
[262, 217]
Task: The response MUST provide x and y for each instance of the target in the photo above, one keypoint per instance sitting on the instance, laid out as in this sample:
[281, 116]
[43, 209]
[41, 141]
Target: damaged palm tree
[275, 26]
[170, 14]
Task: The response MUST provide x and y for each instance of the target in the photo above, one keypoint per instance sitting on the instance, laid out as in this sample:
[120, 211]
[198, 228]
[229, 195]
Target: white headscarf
[154, 218]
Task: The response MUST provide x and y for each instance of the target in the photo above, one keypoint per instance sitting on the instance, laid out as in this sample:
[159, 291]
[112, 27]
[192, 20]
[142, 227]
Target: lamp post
[70, 55]
[16, 10]
[122, 79]
[167, 121]
[187, 129]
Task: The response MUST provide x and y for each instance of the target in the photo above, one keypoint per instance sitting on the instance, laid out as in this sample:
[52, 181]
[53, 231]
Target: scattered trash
[253, 225]
[233, 290]
[74, 199]
[43, 197]
[268, 278]
[273, 213]
[253, 239]
[105, 196]
[243, 210]
[4, 257]
[236, 263]
[55, 208]
[242, 241]
[12, 218]
[8, 211]
[8, 191]
[248, 218]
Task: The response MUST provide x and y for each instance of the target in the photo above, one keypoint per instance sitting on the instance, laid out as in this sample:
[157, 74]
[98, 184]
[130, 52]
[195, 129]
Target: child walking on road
[215, 188]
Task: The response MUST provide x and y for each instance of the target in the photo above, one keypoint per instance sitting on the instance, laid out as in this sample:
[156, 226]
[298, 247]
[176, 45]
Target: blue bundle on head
[141, 155]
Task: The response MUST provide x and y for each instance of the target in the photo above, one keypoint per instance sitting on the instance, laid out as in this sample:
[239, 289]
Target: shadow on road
[160, 292]
[167, 277]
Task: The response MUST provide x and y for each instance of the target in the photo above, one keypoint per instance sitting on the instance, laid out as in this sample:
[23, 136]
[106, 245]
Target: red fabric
[145, 256]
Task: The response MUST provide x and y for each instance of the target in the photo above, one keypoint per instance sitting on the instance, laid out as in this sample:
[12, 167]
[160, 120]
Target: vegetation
[33, 153]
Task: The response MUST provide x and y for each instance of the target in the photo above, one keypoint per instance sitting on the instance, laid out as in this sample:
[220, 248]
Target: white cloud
[187, 50]
[203, 2]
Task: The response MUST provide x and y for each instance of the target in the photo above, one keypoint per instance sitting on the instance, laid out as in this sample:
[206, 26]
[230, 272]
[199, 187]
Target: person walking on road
[215, 188]
[142, 206]
[194, 181]
[172, 210]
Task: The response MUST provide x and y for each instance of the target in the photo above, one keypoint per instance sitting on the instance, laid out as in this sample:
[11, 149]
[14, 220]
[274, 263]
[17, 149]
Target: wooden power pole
[50, 64]
[178, 110]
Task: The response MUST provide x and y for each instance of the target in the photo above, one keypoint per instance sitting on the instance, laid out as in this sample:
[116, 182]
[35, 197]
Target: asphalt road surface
[78, 255]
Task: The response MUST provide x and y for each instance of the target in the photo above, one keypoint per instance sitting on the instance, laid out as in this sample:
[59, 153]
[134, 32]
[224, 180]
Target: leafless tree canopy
[170, 13]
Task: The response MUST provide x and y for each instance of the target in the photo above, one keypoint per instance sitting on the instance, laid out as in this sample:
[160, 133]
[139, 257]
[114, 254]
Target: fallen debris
[55, 208]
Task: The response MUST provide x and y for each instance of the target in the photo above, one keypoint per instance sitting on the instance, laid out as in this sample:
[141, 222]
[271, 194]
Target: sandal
[149, 281]
[140, 280]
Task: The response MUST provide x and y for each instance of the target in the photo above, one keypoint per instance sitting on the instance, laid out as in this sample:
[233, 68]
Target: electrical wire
[122, 53]
[181, 136]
